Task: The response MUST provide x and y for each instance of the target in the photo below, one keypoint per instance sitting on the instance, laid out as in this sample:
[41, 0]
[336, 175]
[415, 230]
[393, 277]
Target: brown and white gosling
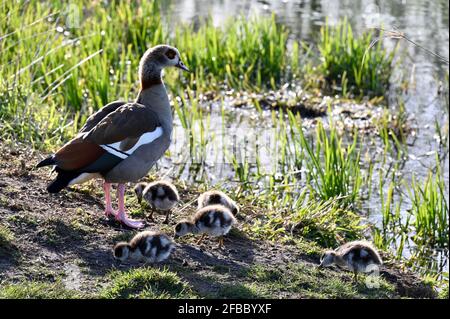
[215, 197]
[162, 196]
[147, 246]
[357, 256]
[214, 220]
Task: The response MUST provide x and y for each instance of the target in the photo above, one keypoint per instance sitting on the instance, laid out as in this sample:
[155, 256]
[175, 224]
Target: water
[425, 22]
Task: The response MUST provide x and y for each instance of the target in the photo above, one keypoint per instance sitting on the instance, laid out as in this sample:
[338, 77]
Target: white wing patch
[83, 178]
[145, 138]
[110, 149]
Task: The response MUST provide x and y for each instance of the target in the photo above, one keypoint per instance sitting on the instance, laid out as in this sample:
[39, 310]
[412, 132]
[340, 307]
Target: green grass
[54, 75]
[239, 291]
[334, 170]
[324, 223]
[394, 230]
[6, 235]
[393, 128]
[57, 231]
[6, 240]
[444, 293]
[350, 65]
[244, 53]
[23, 220]
[149, 283]
[299, 280]
[424, 226]
[37, 290]
[430, 210]
[308, 282]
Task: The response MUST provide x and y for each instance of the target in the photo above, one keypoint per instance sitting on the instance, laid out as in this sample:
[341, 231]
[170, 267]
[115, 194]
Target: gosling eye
[178, 228]
[118, 252]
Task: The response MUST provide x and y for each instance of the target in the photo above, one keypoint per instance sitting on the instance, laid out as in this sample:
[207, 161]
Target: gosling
[358, 256]
[162, 196]
[214, 220]
[147, 246]
[215, 197]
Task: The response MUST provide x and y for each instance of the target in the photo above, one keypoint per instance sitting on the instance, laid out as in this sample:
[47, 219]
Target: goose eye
[171, 54]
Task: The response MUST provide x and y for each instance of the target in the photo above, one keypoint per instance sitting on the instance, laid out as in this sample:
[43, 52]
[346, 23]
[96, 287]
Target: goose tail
[61, 181]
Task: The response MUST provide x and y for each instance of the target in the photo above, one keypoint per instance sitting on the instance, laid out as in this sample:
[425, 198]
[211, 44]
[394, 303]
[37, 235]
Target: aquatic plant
[430, 209]
[333, 168]
[349, 65]
[244, 53]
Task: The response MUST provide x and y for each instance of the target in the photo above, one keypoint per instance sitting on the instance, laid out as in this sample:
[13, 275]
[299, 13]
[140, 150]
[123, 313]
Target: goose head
[159, 57]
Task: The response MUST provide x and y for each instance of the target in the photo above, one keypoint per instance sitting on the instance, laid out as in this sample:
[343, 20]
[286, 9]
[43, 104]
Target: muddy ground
[67, 237]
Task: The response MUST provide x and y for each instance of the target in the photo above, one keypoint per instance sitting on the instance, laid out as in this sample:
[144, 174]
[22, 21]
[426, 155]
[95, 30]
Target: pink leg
[121, 214]
[108, 206]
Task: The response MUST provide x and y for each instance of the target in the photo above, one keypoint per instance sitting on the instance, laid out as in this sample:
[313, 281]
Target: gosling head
[139, 191]
[184, 227]
[122, 251]
[327, 259]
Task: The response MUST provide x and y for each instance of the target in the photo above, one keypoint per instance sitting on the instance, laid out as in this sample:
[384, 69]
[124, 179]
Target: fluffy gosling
[214, 220]
[162, 196]
[357, 256]
[147, 246]
[215, 197]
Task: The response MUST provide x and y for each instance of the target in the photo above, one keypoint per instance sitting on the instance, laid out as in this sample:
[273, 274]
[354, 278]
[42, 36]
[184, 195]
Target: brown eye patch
[171, 54]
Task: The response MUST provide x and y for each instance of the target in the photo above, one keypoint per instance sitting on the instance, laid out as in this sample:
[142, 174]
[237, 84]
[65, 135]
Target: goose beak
[181, 65]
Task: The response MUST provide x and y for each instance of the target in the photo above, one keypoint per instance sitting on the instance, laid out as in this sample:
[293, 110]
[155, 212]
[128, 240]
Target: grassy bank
[61, 63]
[65, 251]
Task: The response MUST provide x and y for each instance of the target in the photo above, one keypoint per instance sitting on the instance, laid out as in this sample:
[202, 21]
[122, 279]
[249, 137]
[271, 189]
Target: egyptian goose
[122, 141]
[148, 246]
[214, 220]
[160, 195]
[358, 256]
[215, 197]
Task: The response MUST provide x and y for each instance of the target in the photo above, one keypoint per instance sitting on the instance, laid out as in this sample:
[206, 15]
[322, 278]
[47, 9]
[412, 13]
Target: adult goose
[122, 141]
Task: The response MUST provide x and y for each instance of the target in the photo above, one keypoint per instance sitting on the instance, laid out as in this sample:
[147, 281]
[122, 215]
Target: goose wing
[95, 118]
[115, 137]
